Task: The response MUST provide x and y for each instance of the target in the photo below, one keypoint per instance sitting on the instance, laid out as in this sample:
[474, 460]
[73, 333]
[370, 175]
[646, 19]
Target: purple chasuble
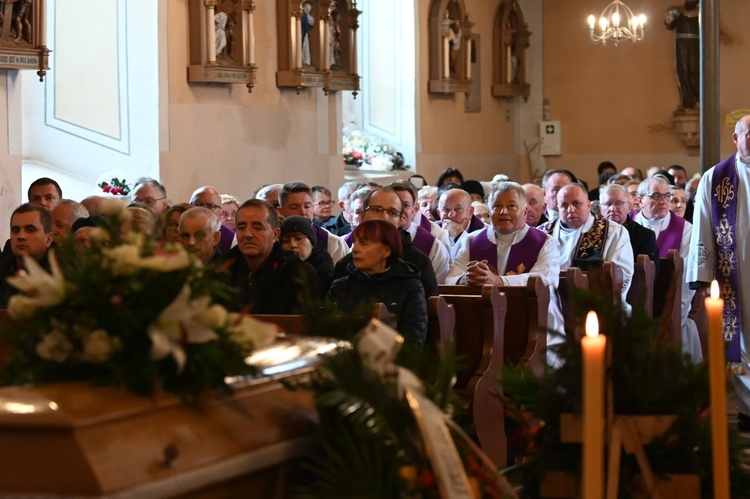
[321, 236]
[724, 183]
[227, 237]
[671, 237]
[425, 223]
[349, 239]
[633, 214]
[423, 241]
[522, 255]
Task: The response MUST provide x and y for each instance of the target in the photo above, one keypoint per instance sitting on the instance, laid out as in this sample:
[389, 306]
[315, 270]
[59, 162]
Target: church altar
[76, 439]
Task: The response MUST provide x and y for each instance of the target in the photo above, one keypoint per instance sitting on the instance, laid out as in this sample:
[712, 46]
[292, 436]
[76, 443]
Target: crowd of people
[395, 243]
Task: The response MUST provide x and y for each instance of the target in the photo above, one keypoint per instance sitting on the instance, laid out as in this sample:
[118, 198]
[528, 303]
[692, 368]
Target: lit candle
[718, 380]
[593, 347]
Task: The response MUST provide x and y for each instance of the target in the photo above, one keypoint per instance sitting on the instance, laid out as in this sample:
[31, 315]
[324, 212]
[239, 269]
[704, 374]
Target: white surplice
[701, 263]
[546, 267]
[439, 256]
[617, 249]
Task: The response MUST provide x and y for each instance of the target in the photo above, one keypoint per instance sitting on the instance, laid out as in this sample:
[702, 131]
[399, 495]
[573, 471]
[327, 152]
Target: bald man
[457, 217]
[210, 198]
[535, 205]
[722, 212]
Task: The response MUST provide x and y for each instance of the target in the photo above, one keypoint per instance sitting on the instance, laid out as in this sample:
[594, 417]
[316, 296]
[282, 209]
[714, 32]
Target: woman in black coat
[378, 274]
[296, 235]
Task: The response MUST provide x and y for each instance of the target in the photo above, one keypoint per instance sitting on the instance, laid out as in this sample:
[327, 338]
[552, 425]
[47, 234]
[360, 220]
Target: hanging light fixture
[617, 22]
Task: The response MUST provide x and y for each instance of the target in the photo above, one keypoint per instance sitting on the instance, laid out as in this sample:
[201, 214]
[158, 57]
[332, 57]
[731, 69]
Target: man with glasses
[457, 217]
[385, 204]
[209, 198]
[150, 192]
[672, 232]
[614, 205]
[340, 225]
[421, 238]
[587, 240]
[296, 198]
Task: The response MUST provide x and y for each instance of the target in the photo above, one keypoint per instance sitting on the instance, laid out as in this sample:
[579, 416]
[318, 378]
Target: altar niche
[510, 66]
[222, 42]
[23, 35]
[317, 44]
[450, 47]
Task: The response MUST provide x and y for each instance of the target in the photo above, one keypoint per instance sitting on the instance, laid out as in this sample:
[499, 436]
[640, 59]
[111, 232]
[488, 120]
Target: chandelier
[618, 23]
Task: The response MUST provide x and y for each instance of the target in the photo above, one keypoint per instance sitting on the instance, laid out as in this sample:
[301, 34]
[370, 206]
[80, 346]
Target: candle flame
[592, 324]
[714, 289]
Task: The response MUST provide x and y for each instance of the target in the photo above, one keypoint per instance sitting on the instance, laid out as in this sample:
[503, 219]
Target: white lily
[39, 287]
[178, 324]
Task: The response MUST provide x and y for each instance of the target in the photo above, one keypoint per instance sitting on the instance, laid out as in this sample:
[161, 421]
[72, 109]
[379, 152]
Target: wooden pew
[642, 286]
[440, 326]
[700, 317]
[525, 328]
[295, 324]
[667, 297]
[571, 280]
[608, 281]
[479, 340]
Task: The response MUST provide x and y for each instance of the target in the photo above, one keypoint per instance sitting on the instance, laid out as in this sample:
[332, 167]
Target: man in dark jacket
[269, 279]
[615, 207]
[30, 234]
[384, 203]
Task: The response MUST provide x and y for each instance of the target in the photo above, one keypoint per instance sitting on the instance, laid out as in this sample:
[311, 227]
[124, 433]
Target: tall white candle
[594, 347]
[717, 379]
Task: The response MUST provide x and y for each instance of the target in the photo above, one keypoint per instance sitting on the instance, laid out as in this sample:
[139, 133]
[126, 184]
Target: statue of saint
[684, 21]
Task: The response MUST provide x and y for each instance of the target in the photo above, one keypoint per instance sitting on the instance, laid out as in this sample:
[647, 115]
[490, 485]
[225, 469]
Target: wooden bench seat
[525, 325]
[570, 280]
[641, 290]
[667, 297]
[479, 341]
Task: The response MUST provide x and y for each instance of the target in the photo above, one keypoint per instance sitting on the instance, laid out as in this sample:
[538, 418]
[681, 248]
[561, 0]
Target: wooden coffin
[75, 439]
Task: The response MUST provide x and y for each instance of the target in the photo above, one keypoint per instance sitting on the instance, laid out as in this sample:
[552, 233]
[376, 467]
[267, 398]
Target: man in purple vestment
[720, 250]
[208, 197]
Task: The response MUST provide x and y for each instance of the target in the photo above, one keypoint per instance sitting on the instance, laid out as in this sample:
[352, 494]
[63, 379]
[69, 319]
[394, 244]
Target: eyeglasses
[226, 214]
[323, 204]
[210, 206]
[391, 212]
[616, 204]
[657, 196]
[148, 201]
[457, 210]
[678, 200]
[173, 226]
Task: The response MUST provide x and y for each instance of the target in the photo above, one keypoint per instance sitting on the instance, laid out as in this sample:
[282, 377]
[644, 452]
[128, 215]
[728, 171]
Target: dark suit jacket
[643, 241]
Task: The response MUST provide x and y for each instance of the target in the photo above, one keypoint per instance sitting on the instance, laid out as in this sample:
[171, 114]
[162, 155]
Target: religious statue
[220, 23]
[307, 23]
[454, 39]
[684, 21]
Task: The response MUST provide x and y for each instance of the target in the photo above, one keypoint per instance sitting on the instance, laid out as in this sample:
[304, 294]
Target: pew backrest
[479, 341]
[440, 326]
[607, 280]
[642, 286]
[667, 297]
[570, 280]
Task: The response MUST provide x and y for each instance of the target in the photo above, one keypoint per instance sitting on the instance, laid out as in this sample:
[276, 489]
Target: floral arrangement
[115, 187]
[365, 148]
[130, 312]
[371, 440]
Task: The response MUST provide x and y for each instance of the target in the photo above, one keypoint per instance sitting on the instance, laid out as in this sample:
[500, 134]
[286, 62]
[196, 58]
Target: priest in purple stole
[422, 239]
[722, 215]
[508, 251]
[672, 232]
